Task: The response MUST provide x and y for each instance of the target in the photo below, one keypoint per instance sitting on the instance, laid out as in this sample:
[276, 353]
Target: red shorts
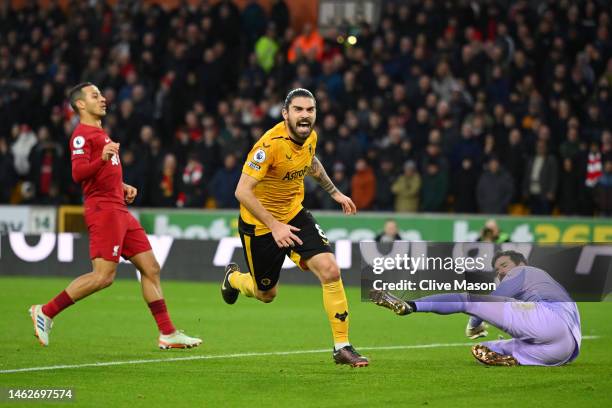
[114, 233]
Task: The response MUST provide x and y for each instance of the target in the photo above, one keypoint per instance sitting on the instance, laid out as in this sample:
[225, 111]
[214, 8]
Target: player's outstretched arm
[283, 233]
[318, 172]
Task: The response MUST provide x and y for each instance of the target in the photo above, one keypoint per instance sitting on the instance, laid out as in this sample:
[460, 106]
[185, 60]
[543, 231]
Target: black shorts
[265, 259]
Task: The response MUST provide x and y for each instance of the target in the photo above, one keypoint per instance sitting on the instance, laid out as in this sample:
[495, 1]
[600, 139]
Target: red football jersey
[101, 181]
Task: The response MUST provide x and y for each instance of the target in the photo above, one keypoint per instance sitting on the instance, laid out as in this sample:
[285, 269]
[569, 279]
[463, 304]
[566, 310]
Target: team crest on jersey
[78, 142]
[259, 156]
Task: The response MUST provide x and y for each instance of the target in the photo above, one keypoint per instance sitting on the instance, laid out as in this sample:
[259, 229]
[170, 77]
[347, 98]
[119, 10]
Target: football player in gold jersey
[273, 224]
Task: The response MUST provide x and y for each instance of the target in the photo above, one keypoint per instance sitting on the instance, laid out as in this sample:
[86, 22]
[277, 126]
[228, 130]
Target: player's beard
[299, 135]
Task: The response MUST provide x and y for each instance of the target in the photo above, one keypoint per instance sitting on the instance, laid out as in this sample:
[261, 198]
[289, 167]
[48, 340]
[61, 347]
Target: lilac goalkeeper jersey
[530, 284]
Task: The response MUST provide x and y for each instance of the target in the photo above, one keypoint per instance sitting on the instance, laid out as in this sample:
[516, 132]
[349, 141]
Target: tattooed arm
[318, 172]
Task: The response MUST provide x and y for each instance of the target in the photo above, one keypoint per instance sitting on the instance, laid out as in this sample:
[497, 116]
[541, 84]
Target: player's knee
[104, 276]
[329, 272]
[153, 270]
[267, 296]
[105, 280]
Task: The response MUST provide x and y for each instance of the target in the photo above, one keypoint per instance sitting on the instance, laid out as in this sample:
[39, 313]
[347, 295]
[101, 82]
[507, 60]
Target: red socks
[57, 304]
[158, 309]
[160, 313]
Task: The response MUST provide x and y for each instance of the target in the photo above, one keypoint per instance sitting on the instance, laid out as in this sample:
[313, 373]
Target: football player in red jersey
[113, 231]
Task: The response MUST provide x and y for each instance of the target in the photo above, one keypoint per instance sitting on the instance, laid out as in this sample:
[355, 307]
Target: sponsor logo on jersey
[254, 166]
[292, 175]
[78, 151]
[78, 142]
[259, 156]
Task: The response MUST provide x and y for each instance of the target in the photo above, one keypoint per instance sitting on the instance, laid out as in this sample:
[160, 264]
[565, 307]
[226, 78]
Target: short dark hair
[76, 93]
[514, 256]
[296, 93]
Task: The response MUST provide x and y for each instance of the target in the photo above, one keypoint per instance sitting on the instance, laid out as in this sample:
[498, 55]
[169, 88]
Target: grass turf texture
[115, 325]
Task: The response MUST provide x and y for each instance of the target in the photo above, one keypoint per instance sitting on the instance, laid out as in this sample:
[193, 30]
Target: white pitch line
[237, 355]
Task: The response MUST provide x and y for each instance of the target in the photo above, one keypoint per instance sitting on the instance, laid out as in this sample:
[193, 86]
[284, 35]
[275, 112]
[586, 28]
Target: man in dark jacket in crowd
[540, 181]
[494, 190]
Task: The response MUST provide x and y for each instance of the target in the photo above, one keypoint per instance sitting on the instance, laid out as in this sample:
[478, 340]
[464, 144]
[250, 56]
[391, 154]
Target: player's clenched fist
[130, 193]
[109, 150]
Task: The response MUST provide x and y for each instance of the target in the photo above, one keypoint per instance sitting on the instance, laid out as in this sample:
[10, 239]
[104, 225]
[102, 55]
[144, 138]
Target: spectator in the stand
[494, 189]
[468, 147]
[434, 188]
[8, 178]
[266, 48]
[407, 189]
[192, 190]
[514, 156]
[224, 182]
[309, 44]
[46, 166]
[23, 142]
[128, 123]
[541, 180]
[571, 146]
[389, 233]
[603, 190]
[279, 14]
[570, 187]
[363, 185]
[254, 21]
[347, 148]
[166, 188]
[392, 146]
[464, 186]
[207, 149]
[591, 171]
[385, 176]
[342, 184]
[594, 123]
[443, 82]
[133, 173]
[606, 145]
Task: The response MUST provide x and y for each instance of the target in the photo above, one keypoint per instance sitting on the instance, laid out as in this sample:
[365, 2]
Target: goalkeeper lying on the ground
[528, 304]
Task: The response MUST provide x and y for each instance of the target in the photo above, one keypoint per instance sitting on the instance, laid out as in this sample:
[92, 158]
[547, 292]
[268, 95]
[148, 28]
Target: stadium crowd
[457, 106]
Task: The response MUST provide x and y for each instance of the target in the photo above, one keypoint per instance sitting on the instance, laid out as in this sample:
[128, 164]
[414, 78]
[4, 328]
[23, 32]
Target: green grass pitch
[115, 326]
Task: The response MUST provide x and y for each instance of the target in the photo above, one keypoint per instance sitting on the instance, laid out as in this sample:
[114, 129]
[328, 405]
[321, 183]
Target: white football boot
[178, 339]
[42, 324]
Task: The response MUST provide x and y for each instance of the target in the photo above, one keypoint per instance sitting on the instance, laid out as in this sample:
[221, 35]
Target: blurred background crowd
[464, 106]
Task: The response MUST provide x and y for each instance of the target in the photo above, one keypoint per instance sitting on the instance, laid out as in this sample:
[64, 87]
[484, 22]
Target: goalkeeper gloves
[476, 332]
